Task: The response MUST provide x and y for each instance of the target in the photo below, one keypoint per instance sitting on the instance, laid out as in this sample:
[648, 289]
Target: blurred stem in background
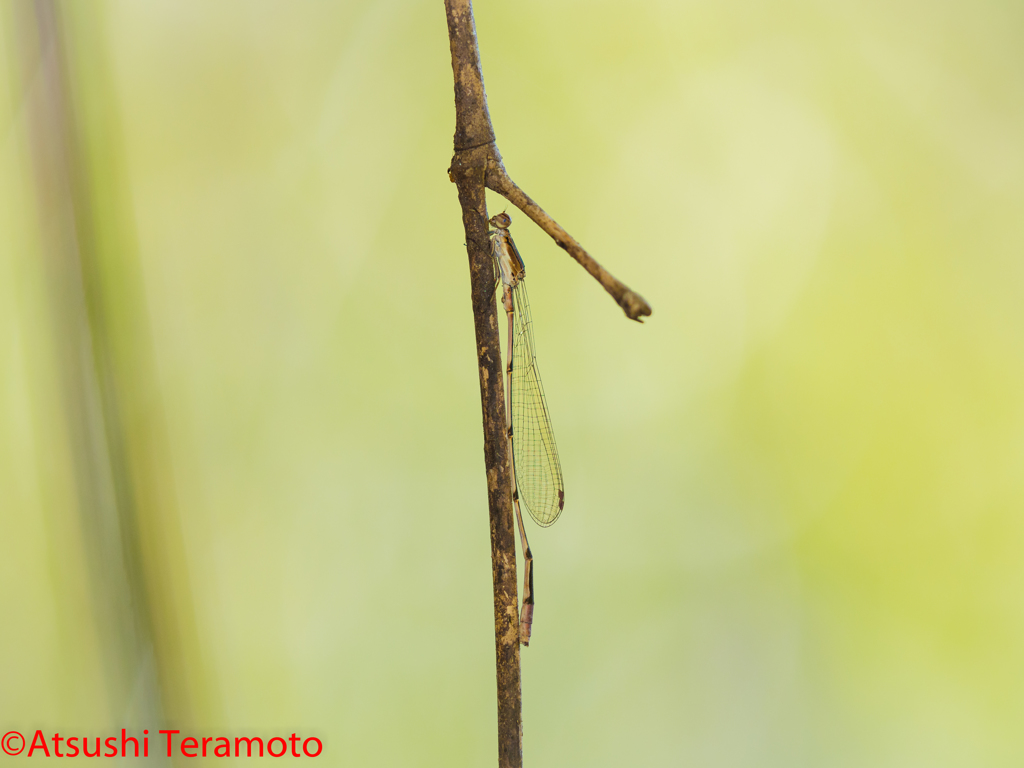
[125, 495]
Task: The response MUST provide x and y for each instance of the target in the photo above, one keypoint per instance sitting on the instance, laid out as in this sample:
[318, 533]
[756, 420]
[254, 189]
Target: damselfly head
[501, 221]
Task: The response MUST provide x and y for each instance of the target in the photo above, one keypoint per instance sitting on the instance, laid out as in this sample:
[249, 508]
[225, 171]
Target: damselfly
[536, 472]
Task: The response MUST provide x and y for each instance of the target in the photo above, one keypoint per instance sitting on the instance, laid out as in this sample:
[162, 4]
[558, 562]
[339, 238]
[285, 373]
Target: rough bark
[473, 137]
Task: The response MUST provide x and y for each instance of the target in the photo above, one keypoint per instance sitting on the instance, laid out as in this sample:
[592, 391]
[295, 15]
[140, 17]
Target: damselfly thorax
[510, 266]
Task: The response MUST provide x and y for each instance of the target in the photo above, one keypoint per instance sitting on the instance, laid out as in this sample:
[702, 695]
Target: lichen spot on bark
[492, 479]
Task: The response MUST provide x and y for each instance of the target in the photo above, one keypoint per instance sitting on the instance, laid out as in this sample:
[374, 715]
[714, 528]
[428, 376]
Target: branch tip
[635, 306]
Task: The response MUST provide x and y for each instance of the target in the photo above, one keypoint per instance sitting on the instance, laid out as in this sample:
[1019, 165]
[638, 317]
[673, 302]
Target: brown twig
[475, 166]
[473, 137]
[632, 303]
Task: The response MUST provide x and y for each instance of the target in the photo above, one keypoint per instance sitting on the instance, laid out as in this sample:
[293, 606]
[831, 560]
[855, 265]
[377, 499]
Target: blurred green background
[793, 530]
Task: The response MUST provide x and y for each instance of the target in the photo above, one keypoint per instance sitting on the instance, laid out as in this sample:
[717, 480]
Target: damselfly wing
[535, 455]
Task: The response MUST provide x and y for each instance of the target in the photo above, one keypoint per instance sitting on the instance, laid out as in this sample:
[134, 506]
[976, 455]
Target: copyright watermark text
[168, 743]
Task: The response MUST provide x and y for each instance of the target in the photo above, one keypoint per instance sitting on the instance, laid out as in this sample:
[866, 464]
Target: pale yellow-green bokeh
[793, 531]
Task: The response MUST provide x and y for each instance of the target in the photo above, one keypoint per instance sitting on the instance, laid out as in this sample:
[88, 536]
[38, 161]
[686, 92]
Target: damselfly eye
[502, 221]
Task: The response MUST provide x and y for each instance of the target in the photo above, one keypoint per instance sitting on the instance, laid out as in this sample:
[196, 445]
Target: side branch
[632, 303]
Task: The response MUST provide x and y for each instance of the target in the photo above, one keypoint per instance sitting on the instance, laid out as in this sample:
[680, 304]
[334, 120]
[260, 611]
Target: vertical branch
[474, 138]
[472, 120]
[118, 601]
[125, 494]
[477, 165]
